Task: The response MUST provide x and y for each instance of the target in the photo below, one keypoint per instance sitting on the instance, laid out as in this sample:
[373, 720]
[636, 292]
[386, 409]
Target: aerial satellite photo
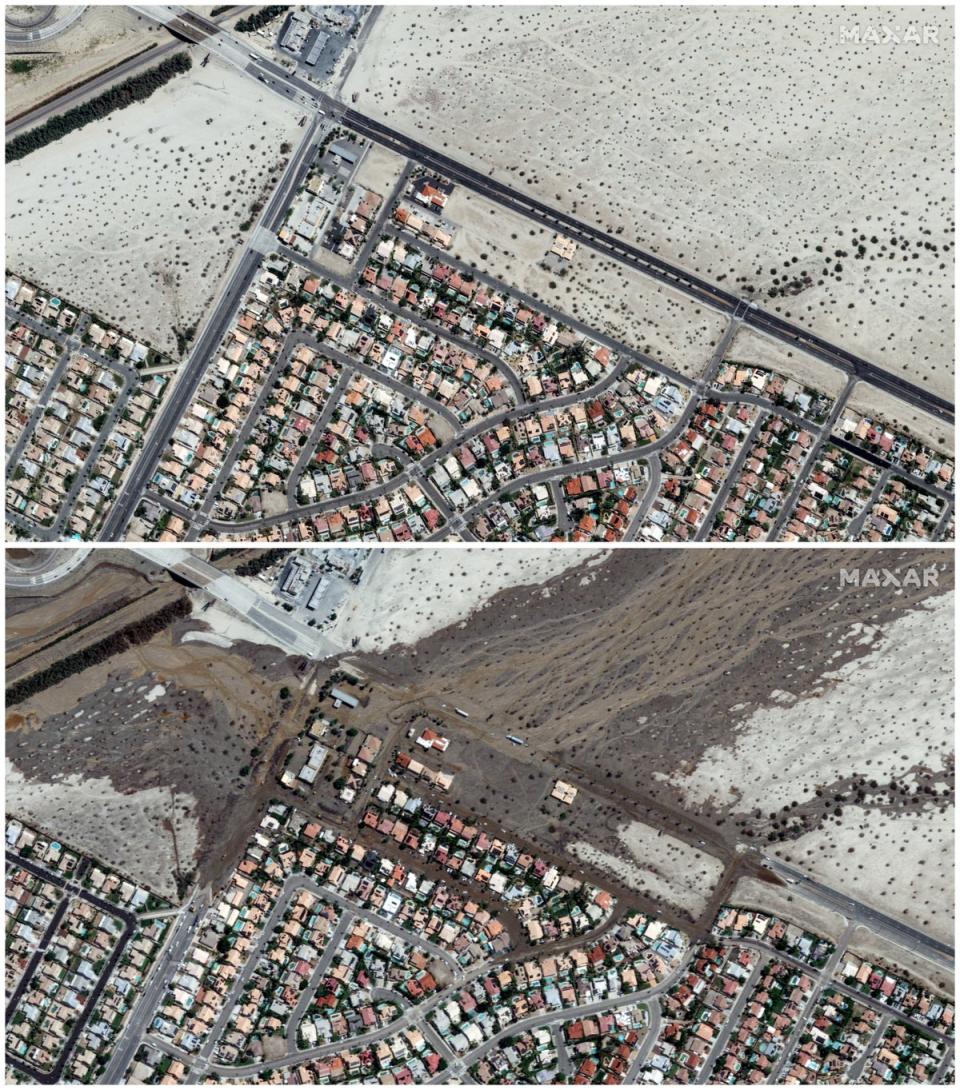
[479, 551]
[479, 815]
[322, 273]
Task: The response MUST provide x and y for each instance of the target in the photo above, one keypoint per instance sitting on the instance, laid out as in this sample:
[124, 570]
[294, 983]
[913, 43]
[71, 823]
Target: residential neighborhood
[367, 384]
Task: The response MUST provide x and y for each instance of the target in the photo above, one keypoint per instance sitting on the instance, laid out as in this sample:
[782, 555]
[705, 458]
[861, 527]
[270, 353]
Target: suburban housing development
[318, 874]
[363, 373]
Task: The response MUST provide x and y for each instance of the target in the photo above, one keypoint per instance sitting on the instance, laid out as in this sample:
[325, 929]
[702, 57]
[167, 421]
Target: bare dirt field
[645, 315]
[758, 350]
[100, 38]
[379, 170]
[868, 399]
[742, 143]
[137, 216]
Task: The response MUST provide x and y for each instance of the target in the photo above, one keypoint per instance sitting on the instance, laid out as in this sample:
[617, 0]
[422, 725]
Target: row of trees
[130, 635]
[135, 89]
[261, 17]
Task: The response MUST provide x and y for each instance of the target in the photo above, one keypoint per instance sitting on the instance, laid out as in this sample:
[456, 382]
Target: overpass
[280, 628]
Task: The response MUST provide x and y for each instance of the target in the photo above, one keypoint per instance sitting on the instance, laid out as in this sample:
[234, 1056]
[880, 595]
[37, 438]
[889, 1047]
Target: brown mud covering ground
[704, 703]
[638, 679]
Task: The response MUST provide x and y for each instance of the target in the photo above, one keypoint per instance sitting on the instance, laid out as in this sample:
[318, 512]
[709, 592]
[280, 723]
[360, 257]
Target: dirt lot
[137, 216]
[742, 146]
[607, 296]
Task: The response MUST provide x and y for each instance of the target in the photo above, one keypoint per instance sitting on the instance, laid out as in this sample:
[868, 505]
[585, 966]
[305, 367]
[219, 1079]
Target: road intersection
[324, 112]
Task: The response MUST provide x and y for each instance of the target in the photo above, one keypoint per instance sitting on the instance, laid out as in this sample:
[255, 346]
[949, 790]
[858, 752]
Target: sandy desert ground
[645, 315]
[408, 594]
[137, 216]
[655, 861]
[99, 39]
[905, 674]
[753, 146]
[155, 740]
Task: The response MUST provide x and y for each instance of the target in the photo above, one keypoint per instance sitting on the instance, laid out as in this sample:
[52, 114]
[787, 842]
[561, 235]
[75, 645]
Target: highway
[147, 57]
[282, 629]
[649, 264]
[293, 87]
[56, 564]
[940, 953]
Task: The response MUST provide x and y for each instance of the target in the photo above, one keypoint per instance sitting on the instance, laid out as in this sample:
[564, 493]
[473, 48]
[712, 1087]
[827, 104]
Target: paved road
[413, 1016]
[408, 314]
[194, 367]
[276, 79]
[730, 478]
[820, 979]
[42, 402]
[646, 1045]
[856, 526]
[319, 426]
[59, 563]
[146, 58]
[808, 463]
[656, 267]
[563, 1056]
[238, 447]
[884, 463]
[177, 943]
[543, 307]
[944, 522]
[282, 628]
[655, 479]
[730, 1024]
[323, 964]
[855, 1070]
[127, 919]
[900, 933]
[54, 22]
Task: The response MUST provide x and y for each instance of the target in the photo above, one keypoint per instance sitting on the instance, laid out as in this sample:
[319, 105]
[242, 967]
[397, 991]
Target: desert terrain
[645, 315]
[711, 707]
[740, 143]
[136, 217]
[98, 39]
